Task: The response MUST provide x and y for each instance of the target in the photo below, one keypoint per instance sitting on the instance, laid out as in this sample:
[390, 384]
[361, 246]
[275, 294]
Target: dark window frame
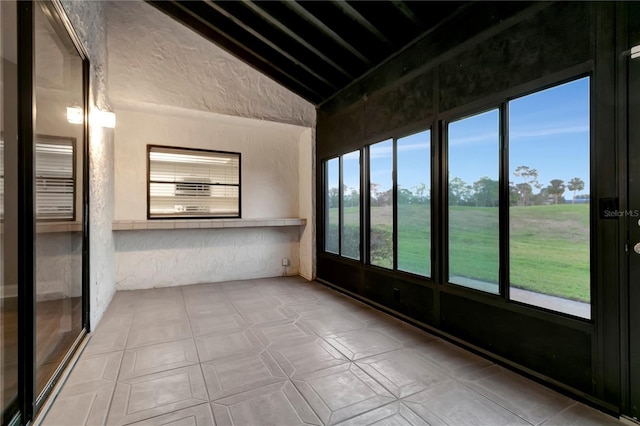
[496, 106]
[325, 204]
[432, 147]
[206, 152]
[325, 207]
[501, 103]
[365, 204]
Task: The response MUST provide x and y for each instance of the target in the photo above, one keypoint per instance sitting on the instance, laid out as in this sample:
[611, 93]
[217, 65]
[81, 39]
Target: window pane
[473, 202]
[351, 205]
[331, 202]
[549, 214]
[192, 183]
[414, 203]
[381, 201]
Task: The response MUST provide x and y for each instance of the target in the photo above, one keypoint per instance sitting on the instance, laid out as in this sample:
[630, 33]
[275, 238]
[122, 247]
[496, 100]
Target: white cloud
[474, 140]
[549, 131]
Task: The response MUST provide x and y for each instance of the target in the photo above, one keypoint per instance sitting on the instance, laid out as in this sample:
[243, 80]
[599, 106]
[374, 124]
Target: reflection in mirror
[58, 177]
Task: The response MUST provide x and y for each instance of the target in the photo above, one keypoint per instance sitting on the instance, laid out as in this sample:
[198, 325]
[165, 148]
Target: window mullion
[340, 204]
[503, 221]
[394, 177]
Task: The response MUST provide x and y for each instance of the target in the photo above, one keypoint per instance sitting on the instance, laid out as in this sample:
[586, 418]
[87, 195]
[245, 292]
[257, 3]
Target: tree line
[482, 193]
[485, 191]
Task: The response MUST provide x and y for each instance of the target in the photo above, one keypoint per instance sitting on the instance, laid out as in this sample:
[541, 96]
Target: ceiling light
[103, 118]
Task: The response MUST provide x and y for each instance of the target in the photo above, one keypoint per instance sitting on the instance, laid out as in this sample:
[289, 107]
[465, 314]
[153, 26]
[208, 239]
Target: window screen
[193, 183]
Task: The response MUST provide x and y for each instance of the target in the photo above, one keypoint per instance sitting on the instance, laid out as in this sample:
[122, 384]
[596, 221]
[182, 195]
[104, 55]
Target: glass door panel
[8, 278]
[58, 145]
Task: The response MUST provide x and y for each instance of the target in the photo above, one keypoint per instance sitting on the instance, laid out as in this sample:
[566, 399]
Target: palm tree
[576, 184]
[556, 189]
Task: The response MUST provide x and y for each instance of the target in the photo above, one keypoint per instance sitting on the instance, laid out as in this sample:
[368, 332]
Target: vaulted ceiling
[314, 48]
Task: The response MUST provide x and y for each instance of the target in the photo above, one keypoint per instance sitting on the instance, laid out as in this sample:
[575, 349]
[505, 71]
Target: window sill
[137, 225]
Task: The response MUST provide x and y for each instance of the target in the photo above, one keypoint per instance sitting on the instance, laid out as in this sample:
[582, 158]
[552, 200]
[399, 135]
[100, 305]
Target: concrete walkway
[567, 306]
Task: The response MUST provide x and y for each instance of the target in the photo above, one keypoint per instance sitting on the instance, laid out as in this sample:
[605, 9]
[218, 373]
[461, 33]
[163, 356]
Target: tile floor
[283, 351]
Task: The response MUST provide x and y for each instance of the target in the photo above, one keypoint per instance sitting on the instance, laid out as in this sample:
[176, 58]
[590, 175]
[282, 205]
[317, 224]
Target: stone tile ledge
[49, 227]
[137, 225]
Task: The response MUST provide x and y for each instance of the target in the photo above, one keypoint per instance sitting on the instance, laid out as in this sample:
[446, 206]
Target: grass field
[549, 249]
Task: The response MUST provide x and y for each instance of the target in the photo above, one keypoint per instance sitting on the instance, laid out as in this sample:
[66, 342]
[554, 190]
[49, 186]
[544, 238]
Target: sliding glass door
[43, 202]
[8, 151]
[57, 148]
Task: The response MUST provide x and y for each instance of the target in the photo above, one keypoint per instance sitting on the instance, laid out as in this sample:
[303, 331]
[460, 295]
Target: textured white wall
[159, 258]
[89, 21]
[306, 189]
[270, 188]
[172, 87]
[154, 59]
[269, 157]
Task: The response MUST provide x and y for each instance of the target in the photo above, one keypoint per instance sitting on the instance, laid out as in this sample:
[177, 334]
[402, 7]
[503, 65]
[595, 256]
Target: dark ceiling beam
[309, 17]
[269, 43]
[232, 45]
[356, 16]
[404, 9]
[279, 25]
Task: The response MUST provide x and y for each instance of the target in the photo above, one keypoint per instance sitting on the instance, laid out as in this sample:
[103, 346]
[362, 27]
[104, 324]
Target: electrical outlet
[285, 261]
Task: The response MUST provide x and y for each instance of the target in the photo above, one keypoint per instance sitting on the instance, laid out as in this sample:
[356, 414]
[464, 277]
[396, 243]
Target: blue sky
[548, 131]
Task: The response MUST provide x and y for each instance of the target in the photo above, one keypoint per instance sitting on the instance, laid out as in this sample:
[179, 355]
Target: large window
[193, 183]
[413, 171]
[545, 190]
[342, 205]
[399, 213]
[473, 148]
[549, 158]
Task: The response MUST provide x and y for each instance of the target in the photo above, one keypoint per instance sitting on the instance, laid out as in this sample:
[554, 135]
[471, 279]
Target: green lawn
[549, 247]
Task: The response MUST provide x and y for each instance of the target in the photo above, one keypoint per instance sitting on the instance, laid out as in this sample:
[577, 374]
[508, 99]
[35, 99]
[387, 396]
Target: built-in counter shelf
[137, 225]
[49, 227]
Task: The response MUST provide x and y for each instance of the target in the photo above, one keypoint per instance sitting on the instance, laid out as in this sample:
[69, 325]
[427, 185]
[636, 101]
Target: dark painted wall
[491, 52]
